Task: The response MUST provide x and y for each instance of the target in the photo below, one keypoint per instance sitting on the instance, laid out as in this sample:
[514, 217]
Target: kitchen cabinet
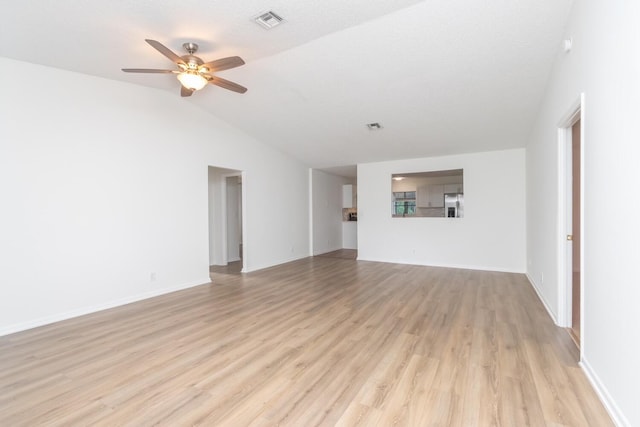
[349, 197]
[436, 196]
[422, 196]
[453, 188]
[430, 196]
[350, 235]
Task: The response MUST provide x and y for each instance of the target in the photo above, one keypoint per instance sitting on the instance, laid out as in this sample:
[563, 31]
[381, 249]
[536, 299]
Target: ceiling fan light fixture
[192, 80]
[192, 72]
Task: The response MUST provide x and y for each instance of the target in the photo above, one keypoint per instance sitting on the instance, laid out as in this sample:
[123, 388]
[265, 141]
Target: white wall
[327, 211]
[491, 236]
[605, 65]
[104, 183]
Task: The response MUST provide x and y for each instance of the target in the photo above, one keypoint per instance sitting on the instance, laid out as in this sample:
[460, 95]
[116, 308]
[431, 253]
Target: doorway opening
[571, 242]
[227, 246]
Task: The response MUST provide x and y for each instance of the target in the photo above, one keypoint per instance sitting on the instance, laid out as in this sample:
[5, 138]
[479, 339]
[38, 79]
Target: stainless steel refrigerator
[454, 205]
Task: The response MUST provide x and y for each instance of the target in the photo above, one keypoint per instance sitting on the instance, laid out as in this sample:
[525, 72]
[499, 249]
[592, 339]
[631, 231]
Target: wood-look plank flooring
[317, 342]
[342, 254]
[234, 267]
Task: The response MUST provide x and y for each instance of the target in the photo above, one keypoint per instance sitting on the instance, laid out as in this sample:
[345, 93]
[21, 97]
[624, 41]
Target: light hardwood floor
[341, 253]
[320, 341]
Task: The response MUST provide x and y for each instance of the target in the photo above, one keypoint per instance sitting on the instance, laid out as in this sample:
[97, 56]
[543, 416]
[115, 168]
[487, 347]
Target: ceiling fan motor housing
[192, 61]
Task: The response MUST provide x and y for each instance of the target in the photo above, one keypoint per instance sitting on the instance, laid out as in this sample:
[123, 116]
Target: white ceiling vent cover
[269, 20]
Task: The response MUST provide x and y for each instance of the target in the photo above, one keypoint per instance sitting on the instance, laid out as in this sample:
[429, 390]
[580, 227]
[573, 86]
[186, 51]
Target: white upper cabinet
[430, 196]
[436, 196]
[348, 196]
[422, 196]
[452, 188]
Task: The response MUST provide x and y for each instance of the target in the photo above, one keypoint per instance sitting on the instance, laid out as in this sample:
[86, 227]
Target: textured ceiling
[442, 77]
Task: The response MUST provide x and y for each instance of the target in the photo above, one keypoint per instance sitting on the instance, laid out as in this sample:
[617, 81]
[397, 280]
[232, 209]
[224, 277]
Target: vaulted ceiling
[440, 76]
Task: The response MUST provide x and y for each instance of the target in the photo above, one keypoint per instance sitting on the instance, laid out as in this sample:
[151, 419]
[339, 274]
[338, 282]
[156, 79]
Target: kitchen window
[404, 203]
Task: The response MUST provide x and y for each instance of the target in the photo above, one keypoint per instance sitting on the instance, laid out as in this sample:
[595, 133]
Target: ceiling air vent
[269, 20]
[374, 126]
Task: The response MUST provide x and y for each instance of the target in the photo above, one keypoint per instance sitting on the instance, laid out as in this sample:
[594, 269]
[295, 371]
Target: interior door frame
[574, 113]
[225, 249]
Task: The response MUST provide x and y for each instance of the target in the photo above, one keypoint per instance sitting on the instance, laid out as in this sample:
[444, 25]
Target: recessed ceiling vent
[269, 20]
[374, 126]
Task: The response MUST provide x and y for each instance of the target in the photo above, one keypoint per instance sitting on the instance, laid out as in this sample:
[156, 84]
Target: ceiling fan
[193, 73]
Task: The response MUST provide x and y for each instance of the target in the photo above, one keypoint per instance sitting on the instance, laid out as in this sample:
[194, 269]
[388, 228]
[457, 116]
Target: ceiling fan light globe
[192, 80]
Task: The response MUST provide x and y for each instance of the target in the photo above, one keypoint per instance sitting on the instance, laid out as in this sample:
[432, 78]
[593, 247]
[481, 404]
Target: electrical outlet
[153, 277]
[541, 278]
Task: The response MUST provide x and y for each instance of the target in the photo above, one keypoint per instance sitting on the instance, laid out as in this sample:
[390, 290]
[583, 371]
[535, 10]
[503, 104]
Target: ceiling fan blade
[223, 64]
[147, 70]
[185, 92]
[218, 81]
[165, 51]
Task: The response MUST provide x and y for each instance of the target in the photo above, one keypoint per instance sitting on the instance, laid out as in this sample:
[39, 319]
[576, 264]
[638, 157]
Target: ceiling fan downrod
[191, 48]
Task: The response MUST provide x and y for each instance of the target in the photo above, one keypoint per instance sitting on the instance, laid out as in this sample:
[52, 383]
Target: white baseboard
[46, 320]
[614, 411]
[269, 265]
[327, 250]
[460, 266]
[544, 302]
